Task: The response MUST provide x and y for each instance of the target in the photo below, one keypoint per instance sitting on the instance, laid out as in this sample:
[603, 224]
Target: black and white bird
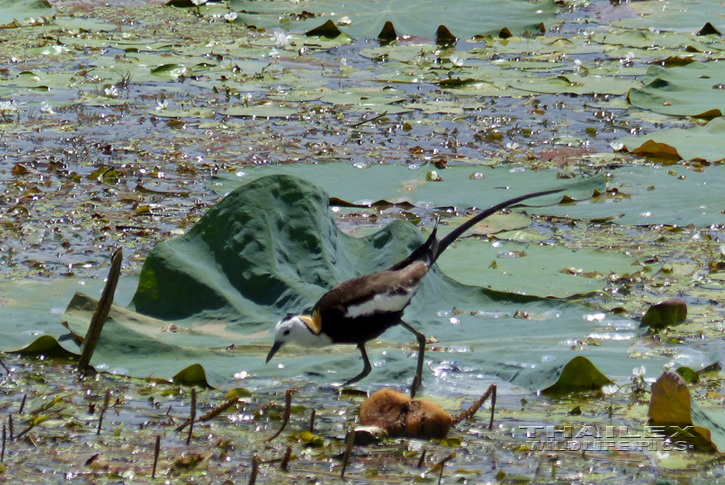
[362, 308]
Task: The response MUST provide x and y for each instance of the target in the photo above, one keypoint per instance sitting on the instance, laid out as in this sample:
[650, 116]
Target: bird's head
[302, 330]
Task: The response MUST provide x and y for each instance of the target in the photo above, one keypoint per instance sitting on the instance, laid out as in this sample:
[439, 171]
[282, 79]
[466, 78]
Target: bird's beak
[273, 351]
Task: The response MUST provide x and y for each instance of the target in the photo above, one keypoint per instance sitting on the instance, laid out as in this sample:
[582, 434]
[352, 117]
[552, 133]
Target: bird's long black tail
[442, 244]
[432, 248]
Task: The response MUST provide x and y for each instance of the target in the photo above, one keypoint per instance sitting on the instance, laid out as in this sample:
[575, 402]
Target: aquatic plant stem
[101, 312]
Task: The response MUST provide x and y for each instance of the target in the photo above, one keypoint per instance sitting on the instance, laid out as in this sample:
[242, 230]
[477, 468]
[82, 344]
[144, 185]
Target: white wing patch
[383, 302]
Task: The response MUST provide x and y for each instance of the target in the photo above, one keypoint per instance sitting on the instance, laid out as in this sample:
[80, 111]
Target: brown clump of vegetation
[399, 415]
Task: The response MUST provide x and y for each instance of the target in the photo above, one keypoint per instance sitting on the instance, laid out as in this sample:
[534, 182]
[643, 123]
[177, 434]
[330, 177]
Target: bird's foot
[355, 379]
[415, 387]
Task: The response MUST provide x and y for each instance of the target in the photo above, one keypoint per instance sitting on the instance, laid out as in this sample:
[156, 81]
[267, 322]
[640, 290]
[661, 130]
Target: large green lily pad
[646, 195]
[31, 309]
[576, 84]
[365, 18]
[696, 89]
[687, 16]
[20, 10]
[654, 195]
[461, 186]
[699, 143]
[271, 247]
[533, 269]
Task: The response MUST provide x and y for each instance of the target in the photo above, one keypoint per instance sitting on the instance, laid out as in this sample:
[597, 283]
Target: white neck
[300, 334]
[309, 339]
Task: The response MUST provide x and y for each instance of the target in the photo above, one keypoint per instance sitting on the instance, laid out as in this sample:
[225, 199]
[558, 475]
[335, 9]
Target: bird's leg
[366, 370]
[418, 381]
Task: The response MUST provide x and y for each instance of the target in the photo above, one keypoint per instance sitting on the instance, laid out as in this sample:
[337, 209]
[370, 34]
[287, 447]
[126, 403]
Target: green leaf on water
[674, 144]
[194, 374]
[366, 19]
[666, 314]
[237, 392]
[688, 375]
[692, 90]
[19, 10]
[579, 374]
[261, 111]
[272, 247]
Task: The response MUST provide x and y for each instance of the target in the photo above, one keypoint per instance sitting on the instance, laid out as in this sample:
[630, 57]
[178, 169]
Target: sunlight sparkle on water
[494, 315]
[522, 365]
[621, 324]
[552, 313]
[512, 254]
[612, 336]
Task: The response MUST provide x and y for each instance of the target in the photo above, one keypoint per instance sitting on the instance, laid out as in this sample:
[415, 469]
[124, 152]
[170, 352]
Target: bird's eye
[286, 332]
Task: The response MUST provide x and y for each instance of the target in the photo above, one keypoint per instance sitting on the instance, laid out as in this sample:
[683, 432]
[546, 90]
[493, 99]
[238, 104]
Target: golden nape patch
[313, 322]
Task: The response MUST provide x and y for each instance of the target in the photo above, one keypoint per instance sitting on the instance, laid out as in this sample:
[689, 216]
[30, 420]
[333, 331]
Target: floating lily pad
[397, 183]
[698, 143]
[645, 38]
[19, 10]
[463, 19]
[541, 270]
[212, 305]
[693, 90]
[654, 195]
[261, 111]
[576, 84]
[687, 16]
[183, 113]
